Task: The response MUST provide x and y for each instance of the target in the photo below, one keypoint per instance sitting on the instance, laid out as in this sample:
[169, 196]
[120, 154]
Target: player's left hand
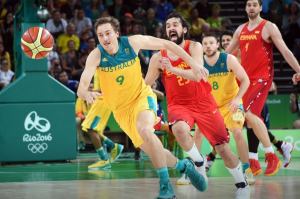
[296, 78]
[234, 105]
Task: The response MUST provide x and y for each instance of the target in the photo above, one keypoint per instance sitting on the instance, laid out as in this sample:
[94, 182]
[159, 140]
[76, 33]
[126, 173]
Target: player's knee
[221, 150]
[296, 124]
[238, 135]
[198, 134]
[145, 133]
[180, 130]
[91, 132]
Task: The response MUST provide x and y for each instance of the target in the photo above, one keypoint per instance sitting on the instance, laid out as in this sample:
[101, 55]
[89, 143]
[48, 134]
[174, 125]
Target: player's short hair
[259, 2]
[115, 24]
[182, 20]
[210, 34]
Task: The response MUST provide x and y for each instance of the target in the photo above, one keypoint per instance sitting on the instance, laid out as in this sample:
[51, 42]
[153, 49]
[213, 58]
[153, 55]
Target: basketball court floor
[128, 178]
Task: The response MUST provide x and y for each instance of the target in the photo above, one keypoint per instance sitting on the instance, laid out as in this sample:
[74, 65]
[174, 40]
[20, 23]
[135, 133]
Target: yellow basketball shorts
[127, 116]
[235, 120]
[97, 117]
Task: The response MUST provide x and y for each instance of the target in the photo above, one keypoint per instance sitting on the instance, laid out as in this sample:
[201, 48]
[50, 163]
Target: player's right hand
[92, 96]
[296, 78]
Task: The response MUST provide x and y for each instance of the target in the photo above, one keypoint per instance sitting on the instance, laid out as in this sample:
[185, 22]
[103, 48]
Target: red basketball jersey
[256, 54]
[180, 90]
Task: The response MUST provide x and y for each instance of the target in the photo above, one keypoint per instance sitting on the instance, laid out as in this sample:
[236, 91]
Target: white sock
[237, 173]
[269, 149]
[253, 156]
[194, 153]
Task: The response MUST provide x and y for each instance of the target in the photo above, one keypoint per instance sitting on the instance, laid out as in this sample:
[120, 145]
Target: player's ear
[184, 30]
[118, 34]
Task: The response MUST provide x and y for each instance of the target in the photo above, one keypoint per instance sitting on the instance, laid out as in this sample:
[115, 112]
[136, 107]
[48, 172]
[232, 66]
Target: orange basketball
[36, 43]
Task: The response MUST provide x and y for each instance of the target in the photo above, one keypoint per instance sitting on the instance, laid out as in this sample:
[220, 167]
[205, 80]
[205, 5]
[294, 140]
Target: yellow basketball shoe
[101, 164]
[116, 152]
[248, 175]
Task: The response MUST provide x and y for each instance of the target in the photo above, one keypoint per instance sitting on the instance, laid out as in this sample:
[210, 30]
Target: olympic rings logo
[34, 148]
[29, 124]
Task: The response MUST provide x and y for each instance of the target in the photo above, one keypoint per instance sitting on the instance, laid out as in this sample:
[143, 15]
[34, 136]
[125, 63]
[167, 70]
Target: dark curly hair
[182, 20]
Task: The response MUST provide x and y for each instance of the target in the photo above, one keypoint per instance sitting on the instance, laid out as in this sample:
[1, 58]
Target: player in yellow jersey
[94, 124]
[132, 102]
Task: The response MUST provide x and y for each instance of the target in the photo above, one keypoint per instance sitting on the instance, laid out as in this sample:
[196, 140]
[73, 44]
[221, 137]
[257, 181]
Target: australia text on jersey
[118, 67]
[219, 74]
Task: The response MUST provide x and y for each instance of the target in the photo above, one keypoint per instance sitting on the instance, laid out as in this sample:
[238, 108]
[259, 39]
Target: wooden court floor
[133, 180]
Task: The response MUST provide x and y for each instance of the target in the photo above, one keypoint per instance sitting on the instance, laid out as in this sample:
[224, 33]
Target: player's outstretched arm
[234, 66]
[276, 37]
[234, 44]
[154, 69]
[151, 43]
[90, 67]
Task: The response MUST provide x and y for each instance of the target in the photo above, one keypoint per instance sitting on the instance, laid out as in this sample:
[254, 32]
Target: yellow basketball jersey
[223, 82]
[120, 75]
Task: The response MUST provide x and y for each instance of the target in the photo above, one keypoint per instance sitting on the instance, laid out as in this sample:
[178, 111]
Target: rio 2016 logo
[33, 121]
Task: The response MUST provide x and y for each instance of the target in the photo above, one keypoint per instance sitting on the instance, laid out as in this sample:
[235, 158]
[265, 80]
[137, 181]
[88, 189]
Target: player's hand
[293, 97]
[201, 72]
[296, 78]
[165, 62]
[234, 105]
[92, 96]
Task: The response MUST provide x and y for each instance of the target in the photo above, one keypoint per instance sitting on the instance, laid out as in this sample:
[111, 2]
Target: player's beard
[179, 39]
[254, 16]
[211, 55]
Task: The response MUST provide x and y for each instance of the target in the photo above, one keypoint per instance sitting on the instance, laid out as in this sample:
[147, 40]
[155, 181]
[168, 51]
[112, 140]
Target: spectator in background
[83, 42]
[5, 55]
[93, 10]
[215, 20]
[204, 28]
[53, 54]
[280, 6]
[80, 67]
[291, 25]
[161, 9]
[91, 45]
[70, 84]
[8, 40]
[55, 68]
[50, 8]
[3, 11]
[82, 23]
[204, 9]
[9, 18]
[196, 25]
[185, 9]
[68, 10]
[126, 25]
[118, 9]
[70, 60]
[138, 10]
[295, 107]
[104, 13]
[149, 23]
[226, 24]
[57, 25]
[63, 39]
[273, 89]
[159, 32]
[6, 75]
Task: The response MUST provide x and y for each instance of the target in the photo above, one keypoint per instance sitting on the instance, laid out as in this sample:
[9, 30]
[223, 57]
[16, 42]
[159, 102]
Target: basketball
[36, 43]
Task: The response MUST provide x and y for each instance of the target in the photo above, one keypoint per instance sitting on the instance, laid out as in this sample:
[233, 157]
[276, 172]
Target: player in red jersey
[255, 40]
[190, 101]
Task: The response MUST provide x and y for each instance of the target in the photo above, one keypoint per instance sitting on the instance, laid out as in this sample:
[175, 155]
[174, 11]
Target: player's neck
[114, 50]
[171, 54]
[182, 44]
[213, 59]
[257, 20]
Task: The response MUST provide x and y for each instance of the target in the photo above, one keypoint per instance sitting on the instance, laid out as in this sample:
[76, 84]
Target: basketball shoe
[249, 177]
[183, 181]
[166, 190]
[255, 167]
[116, 152]
[243, 191]
[101, 164]
[286, 150]
[209, 163]
[273, 164]
[197, 177]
